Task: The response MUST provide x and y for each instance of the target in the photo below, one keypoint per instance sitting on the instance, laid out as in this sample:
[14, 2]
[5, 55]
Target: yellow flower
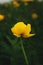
[16, 4]
[24, 0]
[34, 15]
[1, 17]
[27, 0]
[21, 29]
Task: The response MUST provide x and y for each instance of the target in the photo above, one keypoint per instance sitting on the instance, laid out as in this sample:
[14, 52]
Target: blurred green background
[11, 54]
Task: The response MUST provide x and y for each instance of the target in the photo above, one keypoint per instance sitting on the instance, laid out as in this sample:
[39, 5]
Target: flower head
[1, 17]
[16, 4]
[34, 15]
[27, 0]
[21, 29]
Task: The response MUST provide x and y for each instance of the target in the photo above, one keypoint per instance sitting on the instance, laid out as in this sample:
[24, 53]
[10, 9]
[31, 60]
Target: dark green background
[11, 54]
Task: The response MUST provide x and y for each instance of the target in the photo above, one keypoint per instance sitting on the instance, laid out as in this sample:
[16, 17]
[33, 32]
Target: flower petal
[18, 28]
[27, 30]
[29, 35]
[17, 35]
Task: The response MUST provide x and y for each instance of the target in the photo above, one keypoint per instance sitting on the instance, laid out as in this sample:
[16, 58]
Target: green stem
[24, 53]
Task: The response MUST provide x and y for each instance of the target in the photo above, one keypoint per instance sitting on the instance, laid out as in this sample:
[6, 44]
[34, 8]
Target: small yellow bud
[27, 0]
[1, 17]
[16, 4]
[34, 15]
